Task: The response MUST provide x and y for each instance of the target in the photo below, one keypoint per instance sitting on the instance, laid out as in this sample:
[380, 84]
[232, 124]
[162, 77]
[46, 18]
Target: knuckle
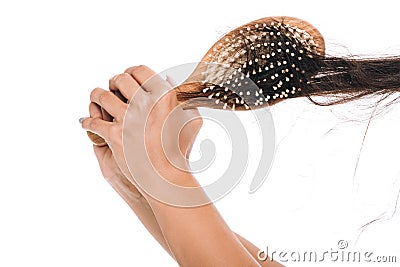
[93, 123]
[138, 69]
[86, 124]
[102, 97]
[111, 81]
[92, 94]
[121, 78]
[95, 92]
[130, 69]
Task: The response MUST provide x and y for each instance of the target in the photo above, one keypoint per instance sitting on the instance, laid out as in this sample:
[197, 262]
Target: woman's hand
[135, 84]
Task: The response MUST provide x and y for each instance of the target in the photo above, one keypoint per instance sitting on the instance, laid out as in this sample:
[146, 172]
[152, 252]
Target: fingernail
[81, 119]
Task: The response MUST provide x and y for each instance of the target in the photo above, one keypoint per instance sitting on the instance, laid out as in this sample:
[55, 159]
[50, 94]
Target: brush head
[258, 64]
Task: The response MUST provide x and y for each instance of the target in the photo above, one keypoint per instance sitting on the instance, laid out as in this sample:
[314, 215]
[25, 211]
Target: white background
[55, 208]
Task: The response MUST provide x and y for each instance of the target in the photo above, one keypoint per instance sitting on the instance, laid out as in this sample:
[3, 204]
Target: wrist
[166, 162]
[175, 170]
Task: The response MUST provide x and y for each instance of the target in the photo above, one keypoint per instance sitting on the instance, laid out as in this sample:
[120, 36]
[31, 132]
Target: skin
[175, 228]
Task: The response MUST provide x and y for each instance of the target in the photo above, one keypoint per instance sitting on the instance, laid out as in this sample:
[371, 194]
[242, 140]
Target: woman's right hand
[126, 84]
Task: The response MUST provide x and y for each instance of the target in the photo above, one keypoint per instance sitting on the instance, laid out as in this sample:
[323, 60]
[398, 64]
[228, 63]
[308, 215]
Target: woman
[280, 58]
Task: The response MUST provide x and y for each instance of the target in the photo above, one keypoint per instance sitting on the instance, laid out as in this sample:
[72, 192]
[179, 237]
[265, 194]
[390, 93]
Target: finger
[110, 102]
[125, 84]
[97, 126]
[99, 151]
[95, 111]
[148, 79]
[192, 112]
[106, 115]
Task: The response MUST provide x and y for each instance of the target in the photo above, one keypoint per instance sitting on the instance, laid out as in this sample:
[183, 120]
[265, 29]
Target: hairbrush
[258, 64]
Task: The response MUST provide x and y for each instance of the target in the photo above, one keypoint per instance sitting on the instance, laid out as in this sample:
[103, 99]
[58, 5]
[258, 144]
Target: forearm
[141, 208]
[198, 236]
[145, 214]
[253, 250]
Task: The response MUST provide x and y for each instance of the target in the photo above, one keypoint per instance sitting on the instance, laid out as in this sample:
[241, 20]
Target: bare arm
[199, 236]
[145, 214]
[196, 236]
[140, 206]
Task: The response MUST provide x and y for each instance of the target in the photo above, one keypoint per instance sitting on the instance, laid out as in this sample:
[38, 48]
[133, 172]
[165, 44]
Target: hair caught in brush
[273, 59]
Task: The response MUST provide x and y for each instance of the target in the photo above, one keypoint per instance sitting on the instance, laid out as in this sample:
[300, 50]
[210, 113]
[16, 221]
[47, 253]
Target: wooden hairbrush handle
[96, 139]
